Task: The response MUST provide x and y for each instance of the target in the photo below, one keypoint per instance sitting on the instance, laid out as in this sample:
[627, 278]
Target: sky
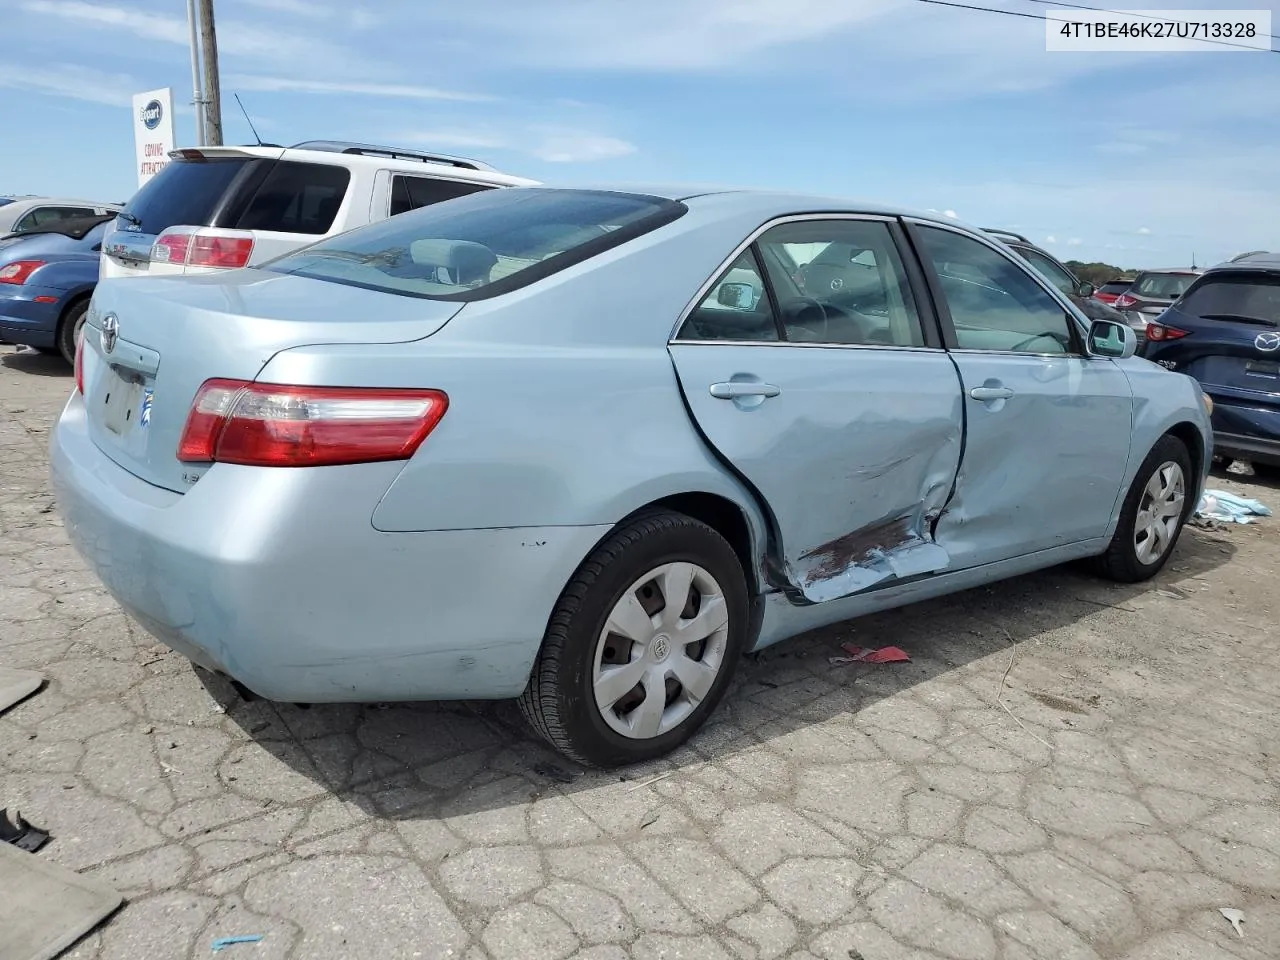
[1136, 159]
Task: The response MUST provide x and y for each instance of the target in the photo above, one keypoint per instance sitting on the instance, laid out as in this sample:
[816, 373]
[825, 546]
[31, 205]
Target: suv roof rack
[1245, 256]
[395, 153]
[1006, 233]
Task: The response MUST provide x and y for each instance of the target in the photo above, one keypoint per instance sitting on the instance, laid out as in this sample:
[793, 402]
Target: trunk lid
[168, 336]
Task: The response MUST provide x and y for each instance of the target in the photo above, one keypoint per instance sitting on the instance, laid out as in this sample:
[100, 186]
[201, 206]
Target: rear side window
[411, 193]
[185, 192]
[296, 198]
[1163, 286]
[481, 245]
[47, 216]
[1239, 297]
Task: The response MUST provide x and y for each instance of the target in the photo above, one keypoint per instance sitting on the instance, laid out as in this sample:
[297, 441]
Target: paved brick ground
[1126, 794]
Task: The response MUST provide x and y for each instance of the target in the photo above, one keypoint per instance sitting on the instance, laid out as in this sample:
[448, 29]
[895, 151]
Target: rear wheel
[69, 329]
[1154, 512]
[642, 644]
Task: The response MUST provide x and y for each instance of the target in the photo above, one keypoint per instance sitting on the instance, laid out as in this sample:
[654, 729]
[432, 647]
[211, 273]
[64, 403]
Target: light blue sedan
[588, 447]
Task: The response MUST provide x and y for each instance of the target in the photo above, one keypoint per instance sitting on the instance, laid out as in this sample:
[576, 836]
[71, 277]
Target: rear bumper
[24, 321]
[278, 579]
[1246, 432]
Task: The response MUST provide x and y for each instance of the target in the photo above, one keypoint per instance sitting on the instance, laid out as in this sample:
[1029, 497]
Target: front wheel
[1154, 512]
[642, 644]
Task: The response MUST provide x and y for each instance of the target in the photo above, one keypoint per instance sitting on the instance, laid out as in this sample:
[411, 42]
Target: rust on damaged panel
[835, 556]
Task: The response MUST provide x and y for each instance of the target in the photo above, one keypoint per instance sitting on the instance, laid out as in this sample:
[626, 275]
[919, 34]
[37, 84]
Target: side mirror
[739, 296]
[1115, 341]
[1085, 289]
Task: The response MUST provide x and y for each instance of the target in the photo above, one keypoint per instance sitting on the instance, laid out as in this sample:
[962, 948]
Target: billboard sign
[152, 131]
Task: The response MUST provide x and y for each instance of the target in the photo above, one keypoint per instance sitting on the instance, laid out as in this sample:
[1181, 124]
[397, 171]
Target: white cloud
[1144, 231]
[572, 147]
[72, 81]
[293, 85]
[454, 138]
[1051, 239]
[147, 25]
[951, 213]
[302, 8]
[1074, 242]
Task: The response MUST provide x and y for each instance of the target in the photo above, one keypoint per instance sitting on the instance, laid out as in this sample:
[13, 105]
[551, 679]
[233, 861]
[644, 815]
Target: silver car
[587, 447]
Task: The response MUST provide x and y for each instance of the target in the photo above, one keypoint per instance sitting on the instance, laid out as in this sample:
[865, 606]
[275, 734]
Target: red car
[1112, 289]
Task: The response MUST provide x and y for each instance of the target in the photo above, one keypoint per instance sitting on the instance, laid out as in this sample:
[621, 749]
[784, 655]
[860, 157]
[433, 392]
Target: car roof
[382, 158]
[769, 203]
[1263, 261]
[1194, 271]
[57, 202]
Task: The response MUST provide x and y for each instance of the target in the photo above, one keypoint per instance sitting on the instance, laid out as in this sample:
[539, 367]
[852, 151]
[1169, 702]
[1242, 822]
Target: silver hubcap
[1159, 512]
[660, 650]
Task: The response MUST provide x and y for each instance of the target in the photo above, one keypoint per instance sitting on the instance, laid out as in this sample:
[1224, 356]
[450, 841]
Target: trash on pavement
[1234, 917]
[1228, 508]
[859, 654]
[21, 833]
[223, 942]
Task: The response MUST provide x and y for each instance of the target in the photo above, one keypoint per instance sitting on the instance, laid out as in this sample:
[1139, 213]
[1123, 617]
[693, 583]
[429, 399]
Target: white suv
[214, 208]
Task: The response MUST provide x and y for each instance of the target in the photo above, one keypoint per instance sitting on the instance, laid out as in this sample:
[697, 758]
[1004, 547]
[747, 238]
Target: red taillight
[79, 364]
[226, 252]
[171, 247]
[274, 425]
[1158, 332]
[1125, 301]
[192, 246]
[19, 270]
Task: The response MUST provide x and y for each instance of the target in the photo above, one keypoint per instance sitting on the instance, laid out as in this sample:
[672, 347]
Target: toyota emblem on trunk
[110, 332]
[1267, 342]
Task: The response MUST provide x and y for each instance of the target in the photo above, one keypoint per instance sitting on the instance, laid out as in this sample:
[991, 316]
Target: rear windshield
[481, 245]
[184, 192]
[1115, 286]
[1231, 296]
[1163, 286]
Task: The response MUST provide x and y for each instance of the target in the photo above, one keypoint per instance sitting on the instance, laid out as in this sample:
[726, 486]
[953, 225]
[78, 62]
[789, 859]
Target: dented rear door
[853, 447]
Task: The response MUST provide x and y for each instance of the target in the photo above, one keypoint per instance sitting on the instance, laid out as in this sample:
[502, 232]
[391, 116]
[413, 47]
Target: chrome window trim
[725, 264]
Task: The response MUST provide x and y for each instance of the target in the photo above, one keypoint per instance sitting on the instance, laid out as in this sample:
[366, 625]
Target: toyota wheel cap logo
[1267, 342]
[151, 114]
[110, 332]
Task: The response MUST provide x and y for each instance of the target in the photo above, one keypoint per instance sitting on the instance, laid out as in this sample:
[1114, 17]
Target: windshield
[1236, 295]
[480, 245]
[1163, 286]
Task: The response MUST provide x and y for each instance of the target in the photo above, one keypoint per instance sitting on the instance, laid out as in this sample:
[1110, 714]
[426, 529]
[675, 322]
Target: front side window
[410, 193]
[1051, 271]
[481, 245]
[994, 303]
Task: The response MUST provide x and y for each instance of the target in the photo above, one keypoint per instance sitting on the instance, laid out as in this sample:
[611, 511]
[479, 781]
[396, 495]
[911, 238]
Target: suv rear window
[185, 192]
[1163, 286]
[411, 193]
[481, 245]
[296, 198]
[1115, 286]
[1236, 296]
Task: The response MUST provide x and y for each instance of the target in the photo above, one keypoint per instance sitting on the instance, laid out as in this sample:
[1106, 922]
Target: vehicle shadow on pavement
[36, 364]
[437, 761]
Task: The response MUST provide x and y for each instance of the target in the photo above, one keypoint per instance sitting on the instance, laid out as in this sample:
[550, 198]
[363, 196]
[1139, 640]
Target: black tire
[559, 702]
[69, 327]
[1121, 561]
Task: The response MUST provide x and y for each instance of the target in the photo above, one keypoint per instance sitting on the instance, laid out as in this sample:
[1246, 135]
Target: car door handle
[734, 389]
[991, 393]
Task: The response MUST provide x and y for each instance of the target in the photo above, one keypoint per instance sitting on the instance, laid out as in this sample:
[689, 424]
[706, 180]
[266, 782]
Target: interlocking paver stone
[825, 813]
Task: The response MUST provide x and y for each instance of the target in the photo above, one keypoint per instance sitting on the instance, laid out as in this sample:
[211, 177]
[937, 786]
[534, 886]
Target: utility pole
[197, 94]
[212, 89]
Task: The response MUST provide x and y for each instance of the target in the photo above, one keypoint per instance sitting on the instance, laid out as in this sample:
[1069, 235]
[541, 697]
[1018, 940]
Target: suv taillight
[1159, 332]
[203, 247]
[1125, 301]
[275, 425]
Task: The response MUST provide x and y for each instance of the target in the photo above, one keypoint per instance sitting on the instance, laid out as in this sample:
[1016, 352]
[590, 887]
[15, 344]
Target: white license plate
[122, 405]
